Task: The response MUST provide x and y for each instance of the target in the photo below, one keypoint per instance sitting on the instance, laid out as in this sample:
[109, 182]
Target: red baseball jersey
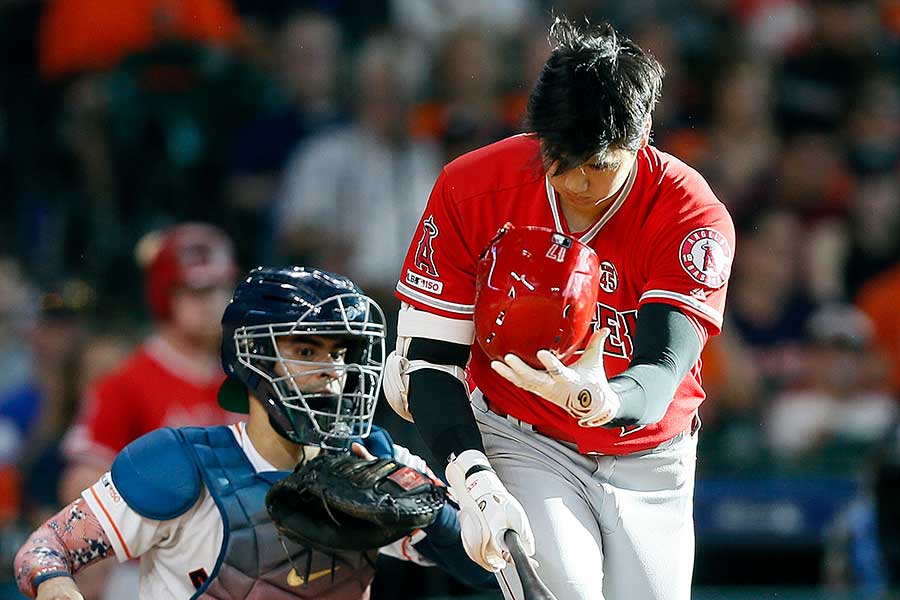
[153, 388]
[665, 238]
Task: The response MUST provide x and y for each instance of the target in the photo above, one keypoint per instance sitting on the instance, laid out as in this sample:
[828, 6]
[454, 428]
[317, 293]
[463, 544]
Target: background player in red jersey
[591, 462]
[172, 379]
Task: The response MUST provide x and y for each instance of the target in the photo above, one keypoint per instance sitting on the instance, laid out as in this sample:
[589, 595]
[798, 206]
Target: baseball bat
[532, 585]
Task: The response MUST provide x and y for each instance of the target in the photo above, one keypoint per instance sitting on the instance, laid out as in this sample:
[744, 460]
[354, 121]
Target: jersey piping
[463, 309]
[710, 313]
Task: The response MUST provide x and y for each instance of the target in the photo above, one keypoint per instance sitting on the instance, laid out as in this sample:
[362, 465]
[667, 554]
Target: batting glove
[486, 511]
[581, 390]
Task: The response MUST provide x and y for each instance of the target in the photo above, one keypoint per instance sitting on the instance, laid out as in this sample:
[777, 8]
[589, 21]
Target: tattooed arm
[65, 544]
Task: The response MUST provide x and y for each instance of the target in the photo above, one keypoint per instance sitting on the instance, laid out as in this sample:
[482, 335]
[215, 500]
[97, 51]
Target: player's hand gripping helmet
[284, 303]
[535, 288]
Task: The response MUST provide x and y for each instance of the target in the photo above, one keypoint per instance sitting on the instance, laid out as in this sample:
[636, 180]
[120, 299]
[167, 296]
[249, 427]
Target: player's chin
[581, 200]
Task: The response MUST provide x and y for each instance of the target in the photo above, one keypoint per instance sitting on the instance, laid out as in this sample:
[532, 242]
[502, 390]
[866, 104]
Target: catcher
[215, 512]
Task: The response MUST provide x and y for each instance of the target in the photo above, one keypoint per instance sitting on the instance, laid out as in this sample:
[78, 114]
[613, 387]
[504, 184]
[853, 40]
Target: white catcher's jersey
[171, 550]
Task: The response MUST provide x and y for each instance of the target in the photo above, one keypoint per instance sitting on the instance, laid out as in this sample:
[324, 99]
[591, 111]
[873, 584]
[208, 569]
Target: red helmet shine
[193, 255]
[535, 288]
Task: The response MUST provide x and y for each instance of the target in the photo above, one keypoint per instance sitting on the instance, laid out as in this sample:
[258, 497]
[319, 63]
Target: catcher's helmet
[195, 255]
[273, 303]
[535, 288]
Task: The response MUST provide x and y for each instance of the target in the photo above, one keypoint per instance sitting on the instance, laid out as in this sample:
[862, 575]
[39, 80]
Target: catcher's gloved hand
[582, 390]
[346, 503]
[486, 511]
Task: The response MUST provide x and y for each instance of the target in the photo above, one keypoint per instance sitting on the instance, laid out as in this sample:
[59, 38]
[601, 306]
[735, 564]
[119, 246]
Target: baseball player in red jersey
[172, 379]
[591, 461]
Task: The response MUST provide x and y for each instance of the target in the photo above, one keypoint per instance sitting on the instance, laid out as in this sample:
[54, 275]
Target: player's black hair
[595, 92]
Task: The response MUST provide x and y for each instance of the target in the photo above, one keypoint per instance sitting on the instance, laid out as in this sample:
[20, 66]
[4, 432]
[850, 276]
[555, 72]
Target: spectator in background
[872, 131]
[351, 195]
[429, 21]
[816, 85]
[43, 463]
[53, 339]
[531, 50]
[732, 440]
[873, 126]
[819, 197]
[468, 111]
[39, 406]
[872, 232]
[150, 97]
[841, 408]
[307, 53]
[82, 35]
[878, 299]
[743, 142]
[768, 304]
[15, 296]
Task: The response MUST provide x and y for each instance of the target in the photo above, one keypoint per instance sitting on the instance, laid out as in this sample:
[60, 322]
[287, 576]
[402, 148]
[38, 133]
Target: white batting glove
[581, 390]
[486, 511]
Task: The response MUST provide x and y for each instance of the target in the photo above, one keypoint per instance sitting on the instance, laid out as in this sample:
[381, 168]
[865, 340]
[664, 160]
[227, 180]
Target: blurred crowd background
[311, 133]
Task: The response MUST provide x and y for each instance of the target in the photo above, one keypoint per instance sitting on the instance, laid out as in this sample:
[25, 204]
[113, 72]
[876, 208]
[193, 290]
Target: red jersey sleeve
[688, 260]
[438, 273]
[108, 425]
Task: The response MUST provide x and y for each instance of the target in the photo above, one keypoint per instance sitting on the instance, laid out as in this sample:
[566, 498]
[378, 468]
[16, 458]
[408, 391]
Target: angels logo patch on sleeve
[706, 256]
[424, 260]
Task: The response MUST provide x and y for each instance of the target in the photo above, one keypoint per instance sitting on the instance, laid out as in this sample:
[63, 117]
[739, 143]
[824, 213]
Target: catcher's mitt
[346, 503]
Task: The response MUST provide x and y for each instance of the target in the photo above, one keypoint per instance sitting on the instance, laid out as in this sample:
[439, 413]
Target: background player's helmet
[274, 302]
[195, 255]
[535, 288]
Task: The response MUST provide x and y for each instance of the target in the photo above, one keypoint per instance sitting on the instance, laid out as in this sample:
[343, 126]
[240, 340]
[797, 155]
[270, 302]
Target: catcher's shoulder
[157, 476]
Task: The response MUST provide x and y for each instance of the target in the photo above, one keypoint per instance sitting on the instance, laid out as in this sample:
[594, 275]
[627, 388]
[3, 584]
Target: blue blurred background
[311, 132]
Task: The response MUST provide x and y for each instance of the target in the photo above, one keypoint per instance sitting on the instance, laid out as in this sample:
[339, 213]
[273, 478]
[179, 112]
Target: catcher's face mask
[323, 371]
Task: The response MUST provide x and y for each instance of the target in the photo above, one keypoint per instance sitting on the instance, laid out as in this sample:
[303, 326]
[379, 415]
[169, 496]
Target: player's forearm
[439, 402]
[440, 405]
[65, 544]
[666, 346]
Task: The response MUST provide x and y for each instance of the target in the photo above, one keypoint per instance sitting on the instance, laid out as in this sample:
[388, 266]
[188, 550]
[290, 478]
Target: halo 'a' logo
[706, 255]
[609, 278]
[424, 250]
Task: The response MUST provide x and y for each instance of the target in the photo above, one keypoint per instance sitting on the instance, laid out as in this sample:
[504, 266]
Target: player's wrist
[471, 476]
[58, 584]
[470, 461]
[594, 404]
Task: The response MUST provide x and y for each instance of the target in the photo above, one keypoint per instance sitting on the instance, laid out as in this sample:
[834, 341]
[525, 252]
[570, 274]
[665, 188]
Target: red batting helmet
[193, 255]
[535, 288]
